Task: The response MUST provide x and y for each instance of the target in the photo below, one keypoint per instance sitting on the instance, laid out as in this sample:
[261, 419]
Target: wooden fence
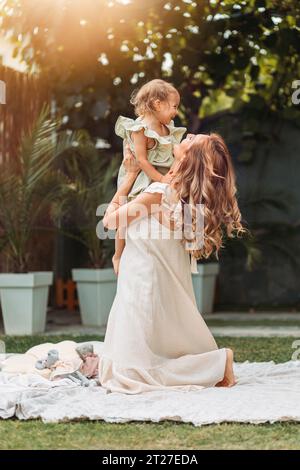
[25, 94]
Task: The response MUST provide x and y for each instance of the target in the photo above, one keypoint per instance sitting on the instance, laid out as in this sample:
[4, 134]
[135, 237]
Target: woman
[156, 338]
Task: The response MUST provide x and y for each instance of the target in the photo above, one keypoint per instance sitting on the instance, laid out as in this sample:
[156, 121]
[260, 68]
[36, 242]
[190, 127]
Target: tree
[219, 54]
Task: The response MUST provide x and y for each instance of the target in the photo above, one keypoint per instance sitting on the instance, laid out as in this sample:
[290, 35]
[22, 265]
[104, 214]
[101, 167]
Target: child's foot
[229, 378]
[116, 262]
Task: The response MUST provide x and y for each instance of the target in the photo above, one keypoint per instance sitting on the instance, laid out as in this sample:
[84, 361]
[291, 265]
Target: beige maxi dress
[156, 338]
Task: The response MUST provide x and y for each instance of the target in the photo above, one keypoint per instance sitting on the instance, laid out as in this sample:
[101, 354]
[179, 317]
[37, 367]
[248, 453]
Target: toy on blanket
[49, 361]
[88, 368]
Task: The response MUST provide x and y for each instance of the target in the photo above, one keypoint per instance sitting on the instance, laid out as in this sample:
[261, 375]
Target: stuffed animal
[49, 363]
[90, 360]
[85, 350]
[77, 375]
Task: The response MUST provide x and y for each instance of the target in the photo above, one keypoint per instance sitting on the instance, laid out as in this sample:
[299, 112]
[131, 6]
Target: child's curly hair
[143, 99]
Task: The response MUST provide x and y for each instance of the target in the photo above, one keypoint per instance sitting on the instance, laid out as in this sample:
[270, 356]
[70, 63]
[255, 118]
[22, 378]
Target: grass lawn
[255, 322]
[15, 434]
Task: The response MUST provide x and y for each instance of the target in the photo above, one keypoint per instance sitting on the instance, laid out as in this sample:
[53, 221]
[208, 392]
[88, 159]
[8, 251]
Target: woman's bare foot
[229, 378]
[116, 262]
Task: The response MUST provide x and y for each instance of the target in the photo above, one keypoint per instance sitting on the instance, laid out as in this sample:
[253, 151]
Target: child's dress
[160, 155]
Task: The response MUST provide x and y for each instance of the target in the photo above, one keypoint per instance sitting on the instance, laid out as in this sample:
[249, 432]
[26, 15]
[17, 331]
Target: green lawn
[255, 322]
[254, 349]
[15, 434]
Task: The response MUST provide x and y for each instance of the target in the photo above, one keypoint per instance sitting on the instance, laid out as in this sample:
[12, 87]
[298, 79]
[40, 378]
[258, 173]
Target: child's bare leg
[119, 247]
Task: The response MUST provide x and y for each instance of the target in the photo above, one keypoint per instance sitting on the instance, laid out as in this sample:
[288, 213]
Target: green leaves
[233, 42]
[28, 186]
[89, 174]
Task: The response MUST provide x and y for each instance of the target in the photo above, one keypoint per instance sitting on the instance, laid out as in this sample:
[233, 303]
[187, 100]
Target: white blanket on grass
[265, 392]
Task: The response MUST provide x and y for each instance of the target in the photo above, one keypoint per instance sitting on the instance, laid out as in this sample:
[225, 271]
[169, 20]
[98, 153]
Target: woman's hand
[131, 165]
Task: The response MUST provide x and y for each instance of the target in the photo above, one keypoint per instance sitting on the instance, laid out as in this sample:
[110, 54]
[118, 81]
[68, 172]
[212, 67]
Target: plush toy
[77, 375]
[85, 350]
[49, 363]
[90, 360]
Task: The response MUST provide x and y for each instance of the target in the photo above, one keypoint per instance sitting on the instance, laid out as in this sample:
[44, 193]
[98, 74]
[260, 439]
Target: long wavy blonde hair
[206, 177]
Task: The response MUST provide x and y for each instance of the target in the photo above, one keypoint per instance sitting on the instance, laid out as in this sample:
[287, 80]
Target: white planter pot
[204, 285]
[24, 300]
[96, 292]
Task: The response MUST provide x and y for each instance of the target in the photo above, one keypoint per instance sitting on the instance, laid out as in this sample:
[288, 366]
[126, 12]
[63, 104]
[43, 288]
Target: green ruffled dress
[160, 156]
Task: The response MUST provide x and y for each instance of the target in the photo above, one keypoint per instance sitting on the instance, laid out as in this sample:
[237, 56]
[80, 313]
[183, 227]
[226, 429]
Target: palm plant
[89, 174]
[29, 184]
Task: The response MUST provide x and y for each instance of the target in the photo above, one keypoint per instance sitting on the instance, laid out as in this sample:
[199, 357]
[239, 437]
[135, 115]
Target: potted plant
[90, 174]
[28, 186]
[204, 283]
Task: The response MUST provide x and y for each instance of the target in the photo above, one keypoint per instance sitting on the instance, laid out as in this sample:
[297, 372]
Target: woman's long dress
[156, 338]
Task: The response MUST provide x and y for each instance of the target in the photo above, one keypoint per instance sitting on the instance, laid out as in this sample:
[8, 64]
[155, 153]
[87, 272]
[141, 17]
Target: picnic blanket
[265, 392]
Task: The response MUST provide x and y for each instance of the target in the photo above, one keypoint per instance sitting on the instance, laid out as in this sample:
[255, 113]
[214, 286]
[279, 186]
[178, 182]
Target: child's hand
[130, 163]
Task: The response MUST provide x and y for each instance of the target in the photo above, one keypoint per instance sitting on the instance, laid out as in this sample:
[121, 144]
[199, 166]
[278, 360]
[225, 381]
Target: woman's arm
[120, 214]
[140, 144]
[143, 205]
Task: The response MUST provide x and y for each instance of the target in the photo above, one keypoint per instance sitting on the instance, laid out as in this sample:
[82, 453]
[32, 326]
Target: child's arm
[140, 144]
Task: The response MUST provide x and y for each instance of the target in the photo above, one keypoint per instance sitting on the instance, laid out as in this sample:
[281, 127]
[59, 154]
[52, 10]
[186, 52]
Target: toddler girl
[150, 138]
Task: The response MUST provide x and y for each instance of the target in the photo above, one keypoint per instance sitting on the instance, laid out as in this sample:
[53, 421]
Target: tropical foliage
[89, 176]
[29, 184]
